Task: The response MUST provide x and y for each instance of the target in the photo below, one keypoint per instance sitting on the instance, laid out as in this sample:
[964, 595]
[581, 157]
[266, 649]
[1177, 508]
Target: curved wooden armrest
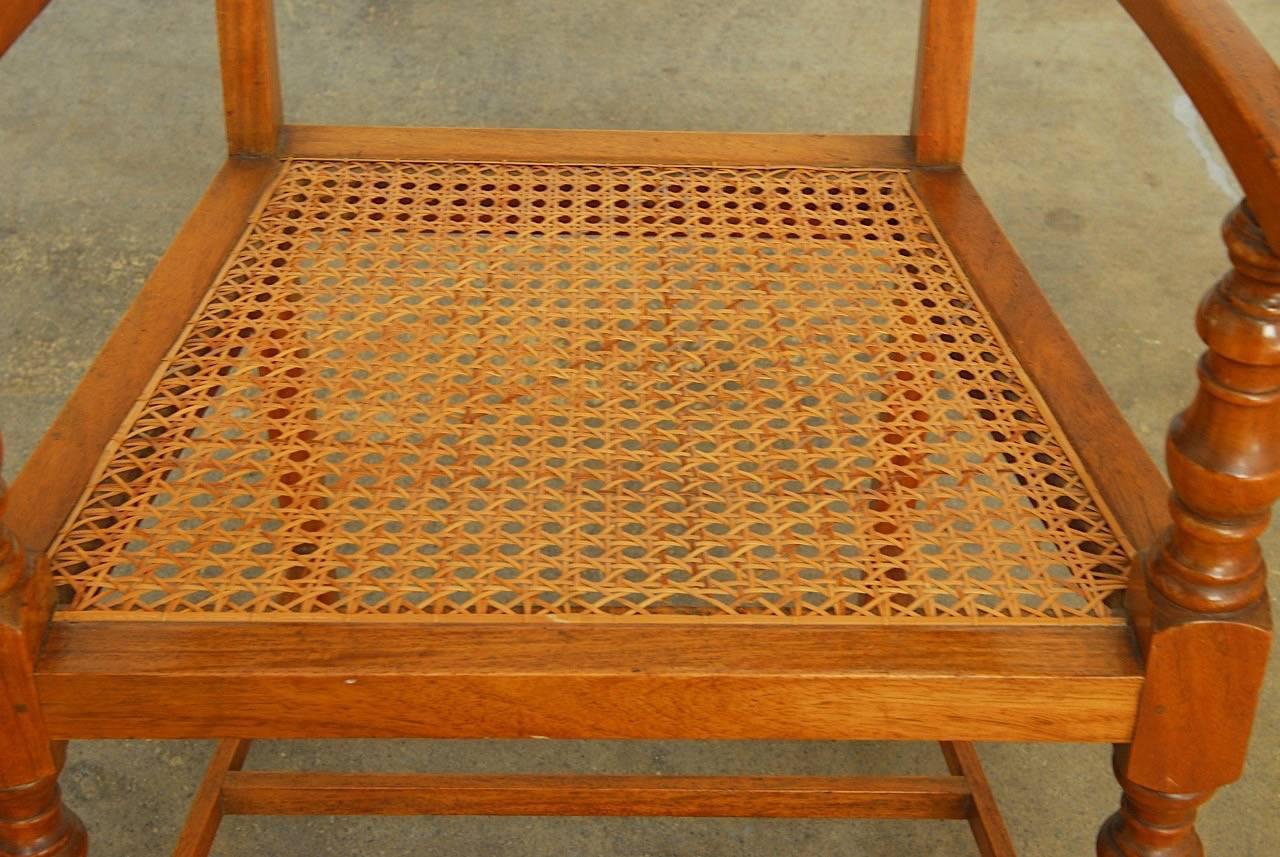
[15, 17]
[1233, 82]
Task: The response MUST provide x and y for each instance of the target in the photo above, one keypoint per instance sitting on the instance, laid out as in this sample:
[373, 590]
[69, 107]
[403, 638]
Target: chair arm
[15, 17]
[1235, 85]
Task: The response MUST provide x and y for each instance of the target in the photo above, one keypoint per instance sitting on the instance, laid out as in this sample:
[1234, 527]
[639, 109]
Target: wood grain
[1127, 478]
[1232, 81]
[1211, 621]
[250, 76]
[1203, 621]
[33, 820]
[25, 754]
[985, 819]
[1205, 681]
[15, 17]
[596, 147]
[207, 807]
[320, 679]
[313, 793]
[944, 66]
[1206, 579]
[57, 472]
[1151, 823]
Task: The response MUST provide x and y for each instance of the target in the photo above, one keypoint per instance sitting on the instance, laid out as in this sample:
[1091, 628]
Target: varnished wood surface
[1234, 84]
[1205, 682]
[596, 147]
[33, 821]
[1207, 643]
[315, 793]
[985, 820]
[227, 789]
[171, 679]
[1223, 451]
[251, 93]
[15, 17]
[1123, 472]
[206, 811]
[944, 65]
[57, 472]
[1211, 625]
[1128, 479]
[1152, 823]
[25, 755]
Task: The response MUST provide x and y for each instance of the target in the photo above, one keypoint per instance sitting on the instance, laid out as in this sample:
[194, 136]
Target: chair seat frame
[1176, 689]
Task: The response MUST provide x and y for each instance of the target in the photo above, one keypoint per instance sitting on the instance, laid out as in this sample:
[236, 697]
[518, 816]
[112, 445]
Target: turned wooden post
[1210, 621]
[33, 821]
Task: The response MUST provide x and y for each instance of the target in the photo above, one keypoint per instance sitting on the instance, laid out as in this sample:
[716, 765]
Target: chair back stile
[944, 64]
[250, 77]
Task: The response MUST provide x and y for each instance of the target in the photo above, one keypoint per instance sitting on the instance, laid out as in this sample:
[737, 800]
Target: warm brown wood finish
[532, 145]
[207, 807]
[1222, 456]
[57, 472]
[1151, 823]
[229, 790]
[944, 65]
[984, 816]
[1233, 82]
[1196, 600]
[274, 793]
[15, 17]
[250, 76]
[33, 821]
[1125, 475]
[118, 679]
[1211, 622]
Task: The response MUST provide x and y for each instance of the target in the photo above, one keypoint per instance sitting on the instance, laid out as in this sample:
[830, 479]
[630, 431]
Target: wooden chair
[475, 433]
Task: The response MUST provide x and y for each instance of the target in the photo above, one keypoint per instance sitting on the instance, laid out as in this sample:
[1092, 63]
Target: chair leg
[34, 823]
[1150, 823]
[1199, 594]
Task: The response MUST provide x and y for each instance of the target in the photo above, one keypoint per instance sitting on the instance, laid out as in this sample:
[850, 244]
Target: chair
[464, 433]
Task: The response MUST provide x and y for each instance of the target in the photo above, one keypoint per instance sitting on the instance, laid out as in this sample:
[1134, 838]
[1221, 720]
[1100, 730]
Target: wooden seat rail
[1197, 599]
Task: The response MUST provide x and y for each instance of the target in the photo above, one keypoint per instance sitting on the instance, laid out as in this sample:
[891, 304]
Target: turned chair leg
[1207, 626]
[1150, 823]
[33, 821]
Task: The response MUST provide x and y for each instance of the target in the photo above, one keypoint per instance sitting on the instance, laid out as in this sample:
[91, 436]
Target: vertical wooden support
[1210, 620]
[944, 66]
[250, 77]
[989, 830]
[206, 809]
[33, 821]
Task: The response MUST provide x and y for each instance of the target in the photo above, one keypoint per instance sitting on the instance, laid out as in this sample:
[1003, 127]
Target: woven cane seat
[494, 390]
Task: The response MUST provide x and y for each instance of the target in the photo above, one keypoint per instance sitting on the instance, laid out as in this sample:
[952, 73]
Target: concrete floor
[109, 130]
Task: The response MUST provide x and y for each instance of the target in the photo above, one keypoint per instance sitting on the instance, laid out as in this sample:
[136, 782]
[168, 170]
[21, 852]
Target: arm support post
[33, 821]
[1201, 603]
[1210, 621]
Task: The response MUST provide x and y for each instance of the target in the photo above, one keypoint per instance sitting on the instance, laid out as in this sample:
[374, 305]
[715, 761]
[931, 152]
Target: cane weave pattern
[447, 389]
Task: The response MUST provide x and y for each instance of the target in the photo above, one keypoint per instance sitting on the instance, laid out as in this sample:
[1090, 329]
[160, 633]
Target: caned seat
[509, 390]
[502, 434]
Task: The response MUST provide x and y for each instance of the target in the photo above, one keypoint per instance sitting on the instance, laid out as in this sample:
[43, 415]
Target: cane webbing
[444, 389]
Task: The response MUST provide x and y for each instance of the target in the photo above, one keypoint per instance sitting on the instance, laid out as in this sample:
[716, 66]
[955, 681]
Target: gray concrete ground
[109, 130]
